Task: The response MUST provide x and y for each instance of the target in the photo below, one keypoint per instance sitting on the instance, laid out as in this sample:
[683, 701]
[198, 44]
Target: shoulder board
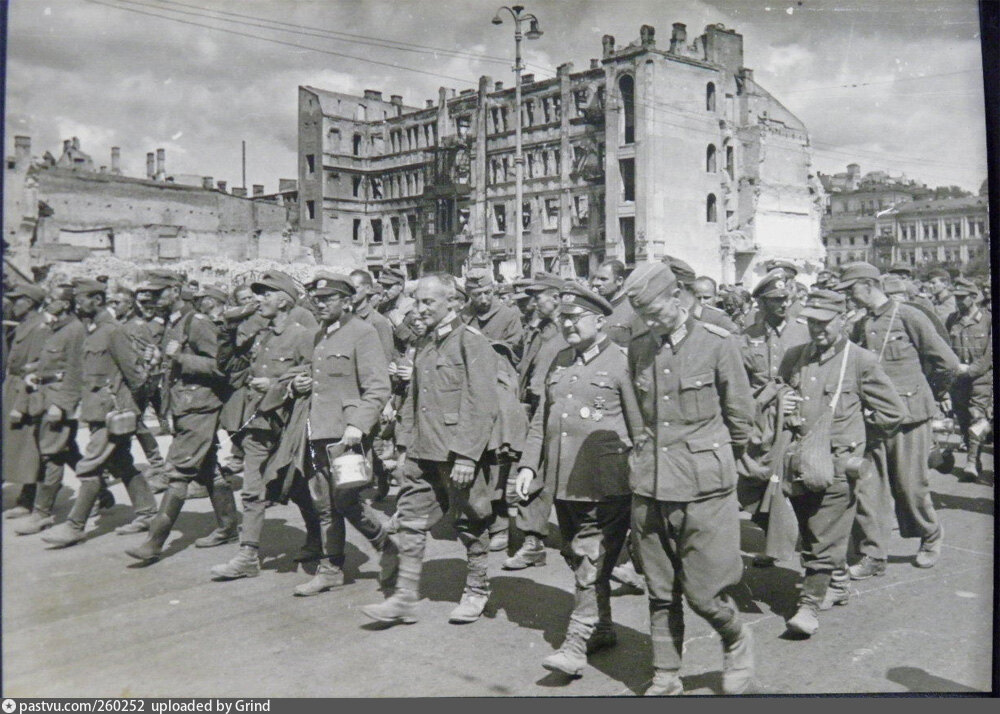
[716, 330]
[473, 330]
[199, 316]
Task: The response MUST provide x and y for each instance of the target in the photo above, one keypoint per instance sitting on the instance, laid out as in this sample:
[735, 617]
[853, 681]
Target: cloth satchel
[810, 459]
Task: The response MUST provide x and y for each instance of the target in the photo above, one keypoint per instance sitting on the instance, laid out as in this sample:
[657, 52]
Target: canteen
[122, 422]
[350, 470]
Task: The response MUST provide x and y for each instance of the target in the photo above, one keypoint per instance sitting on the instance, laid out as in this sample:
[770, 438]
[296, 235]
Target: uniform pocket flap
[697, 381]
[450, 417]
[706, 443]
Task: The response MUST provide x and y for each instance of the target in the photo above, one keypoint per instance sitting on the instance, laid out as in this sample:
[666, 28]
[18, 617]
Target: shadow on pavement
[963, 503]
[775, 586]
[919, 680]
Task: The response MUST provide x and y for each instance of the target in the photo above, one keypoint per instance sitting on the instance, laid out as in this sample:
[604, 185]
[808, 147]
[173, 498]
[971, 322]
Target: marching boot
[41, 517]
[401, 606]
[814, 589]
[71, 531]
[143, 504]
[328, 576]
[571, 657]
[668, 646]
[388, 564]
[105, 501]
[25, 502]
[972, 470]
[224, 505]
[531, 552]
[839, 590]
[246, 564]
[603, 635]
[159, 528]
[737, 663]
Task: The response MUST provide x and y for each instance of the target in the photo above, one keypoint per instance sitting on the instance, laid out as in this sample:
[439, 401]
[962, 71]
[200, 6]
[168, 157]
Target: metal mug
[350, 470]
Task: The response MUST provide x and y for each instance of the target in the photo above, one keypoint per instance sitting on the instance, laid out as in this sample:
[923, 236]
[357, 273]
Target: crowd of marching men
[646, 408]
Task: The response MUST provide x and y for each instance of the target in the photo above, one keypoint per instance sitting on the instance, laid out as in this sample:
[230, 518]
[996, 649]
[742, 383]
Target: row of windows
[949, 255]
[544, 162]
[931, 231]
[413, 137]
[377, 230]
[838, 242]
[399, 184]
[547, 211]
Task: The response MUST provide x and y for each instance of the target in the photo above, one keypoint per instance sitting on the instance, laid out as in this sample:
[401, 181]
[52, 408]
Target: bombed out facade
[650, 150]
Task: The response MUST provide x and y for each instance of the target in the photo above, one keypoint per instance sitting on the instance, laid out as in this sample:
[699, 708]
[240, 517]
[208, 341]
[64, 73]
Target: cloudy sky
[894, 84]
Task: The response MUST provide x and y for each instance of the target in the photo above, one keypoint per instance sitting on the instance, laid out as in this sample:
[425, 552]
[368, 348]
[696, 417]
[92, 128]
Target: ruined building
[650, 150]
[66, 210]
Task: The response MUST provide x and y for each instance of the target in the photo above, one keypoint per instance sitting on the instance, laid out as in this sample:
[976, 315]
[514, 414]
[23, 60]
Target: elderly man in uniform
[971, 329]
[830, 372]
[543, 343]
[111, 377]
[579, 442]
[446, 423]
[394, 304]
[57, 379]
[697, 412]
[497, 322]
[20, 441]
[193, 387]
[607, 281]
[763, 345]
[685, 277]
[912, 354]
[279, 349]
[348, 388]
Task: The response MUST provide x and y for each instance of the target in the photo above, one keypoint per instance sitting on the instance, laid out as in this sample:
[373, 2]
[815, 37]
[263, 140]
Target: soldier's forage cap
[88, 286]
[824, 305]
[893, 285]
[60, 291]
[157, 280]
[783, 264]
[329, 284]
[275, 280]
[647, 282]
[212, 292]
[853, 272]
[542, 282]
[33, 292]
[504, 288]
[771, 285]
[964, 286]
[901, 269]
[462, 289]
[683, 272]
[939, 273]
[478, 278]
[577, 299]
[391, 276]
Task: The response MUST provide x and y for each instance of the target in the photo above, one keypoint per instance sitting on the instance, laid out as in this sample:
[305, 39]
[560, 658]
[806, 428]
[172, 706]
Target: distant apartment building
[649, 151]
[67, 209]
[952, 231]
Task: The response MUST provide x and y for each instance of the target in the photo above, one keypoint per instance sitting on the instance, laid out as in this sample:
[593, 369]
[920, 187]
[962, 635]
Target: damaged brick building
[648, 151]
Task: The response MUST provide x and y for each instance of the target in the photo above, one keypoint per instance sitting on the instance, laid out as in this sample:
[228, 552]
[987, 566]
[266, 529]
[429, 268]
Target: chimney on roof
[67, 144]
[239, 191]
[397, 99]
[287, 185]
[207, 182]
[116, 160]
[258, 189]
[373, 94]
[150, 165]
[76, 143]
[22, 151]
[161, 164]
[595, 63]
[430, 103]
[527, 78]
[102, 170]
[221, 185]
[678, 38]
[497, 86]
[647, 35]
[608, 45]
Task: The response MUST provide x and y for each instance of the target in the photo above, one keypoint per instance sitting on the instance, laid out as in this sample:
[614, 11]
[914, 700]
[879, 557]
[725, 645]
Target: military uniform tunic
[972, 340]
[501, 323]
[20, 446]
[618, 325]
[764, 347]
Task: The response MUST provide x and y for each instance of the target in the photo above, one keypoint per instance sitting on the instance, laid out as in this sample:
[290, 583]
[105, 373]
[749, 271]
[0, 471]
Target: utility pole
[244, 165]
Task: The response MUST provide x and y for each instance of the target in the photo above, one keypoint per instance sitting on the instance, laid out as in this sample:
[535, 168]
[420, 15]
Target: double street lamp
[533, 33]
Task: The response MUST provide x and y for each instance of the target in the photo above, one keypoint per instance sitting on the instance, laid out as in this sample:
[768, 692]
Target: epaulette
[716, 330]
[473, 330]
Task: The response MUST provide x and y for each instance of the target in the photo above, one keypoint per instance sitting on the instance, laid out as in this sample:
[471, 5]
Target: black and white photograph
[448, 348]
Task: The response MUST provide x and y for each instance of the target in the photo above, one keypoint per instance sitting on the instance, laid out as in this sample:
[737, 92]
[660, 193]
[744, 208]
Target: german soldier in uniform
[912, 354]
[971, 331]
[348, 387]
[21, 460]
[57, 380]
[279, 348]
[497, 322]
[446, 423]
[697, 410]
[698, 310]
[607, 281]
[830, 372]
[579, 442]
[192, 388]
[111, 377]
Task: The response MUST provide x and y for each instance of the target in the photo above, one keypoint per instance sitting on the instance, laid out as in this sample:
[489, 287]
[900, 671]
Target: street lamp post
[533, 33]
